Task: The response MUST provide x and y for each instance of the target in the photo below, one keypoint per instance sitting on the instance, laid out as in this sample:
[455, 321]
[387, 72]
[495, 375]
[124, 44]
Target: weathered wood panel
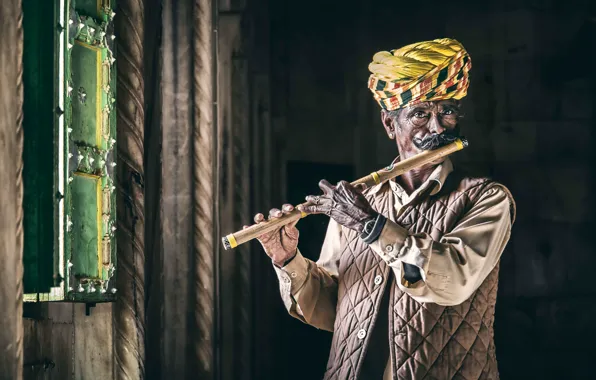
[234, 140]
[153, 135]
[93, 339]
[10, 357]
[129, 309]
[35, 349]
[205, 198]
[176, 202]
[61, 349]
[59, 326]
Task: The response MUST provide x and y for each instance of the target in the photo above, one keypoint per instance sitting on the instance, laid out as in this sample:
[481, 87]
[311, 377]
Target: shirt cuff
[390, 241]
[376, 230]
[295, 272]
[391, 246]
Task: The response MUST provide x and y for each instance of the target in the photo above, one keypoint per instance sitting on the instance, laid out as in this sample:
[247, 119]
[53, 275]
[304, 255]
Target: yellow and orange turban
[420, 72]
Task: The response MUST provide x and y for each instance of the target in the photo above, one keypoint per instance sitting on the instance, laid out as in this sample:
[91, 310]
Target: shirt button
[361, 333]
[389, 248]
[378, 280]
[293, 274]
[287, 279]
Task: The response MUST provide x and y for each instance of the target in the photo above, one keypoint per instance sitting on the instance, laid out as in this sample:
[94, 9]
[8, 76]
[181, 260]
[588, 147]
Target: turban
[420, 72]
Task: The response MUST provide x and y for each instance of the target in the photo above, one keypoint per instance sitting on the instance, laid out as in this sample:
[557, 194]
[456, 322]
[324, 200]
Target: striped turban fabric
[420, 72]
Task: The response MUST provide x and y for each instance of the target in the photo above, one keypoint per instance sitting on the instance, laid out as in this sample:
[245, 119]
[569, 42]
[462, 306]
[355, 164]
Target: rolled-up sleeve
[309, 289]
[455, 266]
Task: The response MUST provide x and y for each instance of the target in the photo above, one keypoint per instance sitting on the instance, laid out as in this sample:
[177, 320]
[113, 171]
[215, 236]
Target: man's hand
[280, 245]
[344, 203]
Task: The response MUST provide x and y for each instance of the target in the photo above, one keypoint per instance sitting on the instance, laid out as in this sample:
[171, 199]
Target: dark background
[529, 119]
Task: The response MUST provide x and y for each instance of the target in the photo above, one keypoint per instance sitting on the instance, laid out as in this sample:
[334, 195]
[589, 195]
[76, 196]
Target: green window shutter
[70, 136]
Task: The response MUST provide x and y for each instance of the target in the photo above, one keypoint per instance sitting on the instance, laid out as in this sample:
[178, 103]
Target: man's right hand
[281, 244]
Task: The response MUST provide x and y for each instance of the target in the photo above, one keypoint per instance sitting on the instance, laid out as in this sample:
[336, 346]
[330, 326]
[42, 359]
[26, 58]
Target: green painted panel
[86, 230]
[90, 248]
[70, 131]
[87, 95]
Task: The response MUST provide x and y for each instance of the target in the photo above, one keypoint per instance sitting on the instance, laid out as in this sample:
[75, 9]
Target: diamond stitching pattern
[426, 336]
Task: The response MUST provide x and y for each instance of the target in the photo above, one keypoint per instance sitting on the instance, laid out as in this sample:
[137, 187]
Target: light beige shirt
[451, 268]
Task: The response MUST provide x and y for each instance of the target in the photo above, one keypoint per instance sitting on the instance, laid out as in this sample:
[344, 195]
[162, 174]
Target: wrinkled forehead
[433, 104]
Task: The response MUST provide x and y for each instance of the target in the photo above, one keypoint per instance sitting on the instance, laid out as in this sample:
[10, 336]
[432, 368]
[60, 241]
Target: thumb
[293, 223]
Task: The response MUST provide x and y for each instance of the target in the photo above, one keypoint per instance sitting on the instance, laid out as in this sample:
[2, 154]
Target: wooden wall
[62, 342]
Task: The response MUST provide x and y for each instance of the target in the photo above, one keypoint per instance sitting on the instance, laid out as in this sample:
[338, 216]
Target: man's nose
[435, 126]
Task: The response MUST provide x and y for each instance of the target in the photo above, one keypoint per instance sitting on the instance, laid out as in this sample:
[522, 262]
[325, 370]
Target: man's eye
[420, 114]
[449, 112]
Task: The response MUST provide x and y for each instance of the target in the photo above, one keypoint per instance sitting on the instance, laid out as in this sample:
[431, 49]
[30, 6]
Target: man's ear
[387, 120]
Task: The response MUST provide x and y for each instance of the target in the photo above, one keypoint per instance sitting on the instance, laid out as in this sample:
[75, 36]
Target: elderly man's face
[424, 126]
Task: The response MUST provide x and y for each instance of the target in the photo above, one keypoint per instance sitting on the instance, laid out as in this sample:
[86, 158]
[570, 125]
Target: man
[407, 275]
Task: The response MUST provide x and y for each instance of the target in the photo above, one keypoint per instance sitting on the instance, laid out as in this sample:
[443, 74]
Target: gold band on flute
[240, 237]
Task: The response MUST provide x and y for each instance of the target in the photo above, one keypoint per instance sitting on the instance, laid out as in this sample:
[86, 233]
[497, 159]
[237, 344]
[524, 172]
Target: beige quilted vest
[428, 341]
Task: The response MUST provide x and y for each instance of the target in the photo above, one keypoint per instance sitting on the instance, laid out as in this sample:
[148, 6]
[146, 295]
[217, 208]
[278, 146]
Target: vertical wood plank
[59, 326]
[93, 347]
[61, 350]
[153, 177]
[31, 348]
[129, 309]
[176, 196]
[227, 33]
[9, 356]
[20, 233]
[242, 327]
[60, 312]
[205, 196]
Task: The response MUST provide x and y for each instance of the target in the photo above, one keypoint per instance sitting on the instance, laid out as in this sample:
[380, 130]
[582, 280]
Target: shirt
[452, 269]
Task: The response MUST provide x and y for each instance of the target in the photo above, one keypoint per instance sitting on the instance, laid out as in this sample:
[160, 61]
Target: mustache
[435, 140]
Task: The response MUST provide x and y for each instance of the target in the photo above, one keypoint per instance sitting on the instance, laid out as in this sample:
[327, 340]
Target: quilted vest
[427, 341]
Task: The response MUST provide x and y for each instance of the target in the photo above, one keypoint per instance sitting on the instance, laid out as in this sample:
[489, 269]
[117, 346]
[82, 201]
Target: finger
[290, 231]
[313, 199]
[318, 200]
[347, 190]
[275, 213]
[287, 208]
[316, 209]
[259, 218]
[326, 187]
[344, 185]
[292, 225]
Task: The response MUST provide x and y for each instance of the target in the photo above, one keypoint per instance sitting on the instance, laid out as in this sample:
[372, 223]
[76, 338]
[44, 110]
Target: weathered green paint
[86, 206]
[87, 96]
[69, 255]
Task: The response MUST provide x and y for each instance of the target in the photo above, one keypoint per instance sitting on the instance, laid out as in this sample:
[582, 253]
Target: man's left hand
[344, 203]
